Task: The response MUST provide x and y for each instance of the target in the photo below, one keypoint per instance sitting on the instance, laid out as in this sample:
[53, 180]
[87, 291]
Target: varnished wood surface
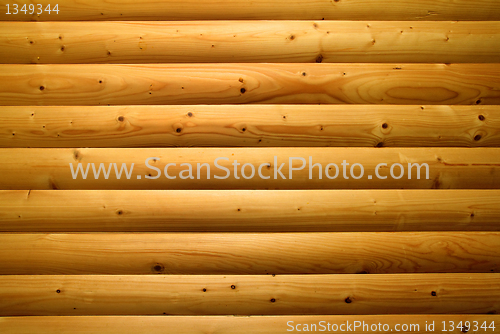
[241, 325]
[249, 253]
[265, 126]
[249, 42]
[251, 295]
[448, 168]
[264, 10]
[160, 84]
[249, 211]
[134, 86]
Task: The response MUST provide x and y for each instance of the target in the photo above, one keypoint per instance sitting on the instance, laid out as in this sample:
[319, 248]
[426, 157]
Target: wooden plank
[103, 84]
[249, 210]
[247, 253]
[261, 9]
[245, 325]
[251, 295]
[249, 42]
[440, 168]
[266, 126]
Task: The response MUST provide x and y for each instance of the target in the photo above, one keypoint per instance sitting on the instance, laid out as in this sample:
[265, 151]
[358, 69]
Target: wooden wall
[366, 81]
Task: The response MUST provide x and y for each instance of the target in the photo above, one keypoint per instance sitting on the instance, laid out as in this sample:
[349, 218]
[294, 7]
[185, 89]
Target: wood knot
[158, 268]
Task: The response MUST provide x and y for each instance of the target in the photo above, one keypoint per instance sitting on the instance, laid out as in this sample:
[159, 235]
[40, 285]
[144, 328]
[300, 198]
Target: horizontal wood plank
[249, 42]
[244, 325]
[114, 84]
[262, 9]
[249, 210]
[249, 295]
[266, 126]
[248, 253]
[419, 168]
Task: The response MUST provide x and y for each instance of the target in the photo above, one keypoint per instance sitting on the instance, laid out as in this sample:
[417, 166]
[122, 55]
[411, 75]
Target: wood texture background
[156, 84]
[265, 126]
[249, 211]
[408, 10]
[220, 324]
[362, 81]
[251, 295]
[449, 168]
[250, 42]
[247, 253]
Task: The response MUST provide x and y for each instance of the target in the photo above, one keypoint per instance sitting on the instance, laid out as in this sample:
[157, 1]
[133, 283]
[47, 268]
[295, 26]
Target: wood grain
[244, 80]
[448, 168]
[249, 253]
[249, 42]
[103, 84]
[236, 325]
[251, 295]
[263, 9]
[249, 210]
[266, 126]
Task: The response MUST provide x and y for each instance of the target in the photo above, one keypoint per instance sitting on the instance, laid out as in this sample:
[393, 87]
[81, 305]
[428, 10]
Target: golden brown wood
[263, 9]
[249, 253]
[453, 269]
[249, 41]
[243, 325]
[266, 126]
[251, 295]
[103, 84]
[249, 210]
[448, 168]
